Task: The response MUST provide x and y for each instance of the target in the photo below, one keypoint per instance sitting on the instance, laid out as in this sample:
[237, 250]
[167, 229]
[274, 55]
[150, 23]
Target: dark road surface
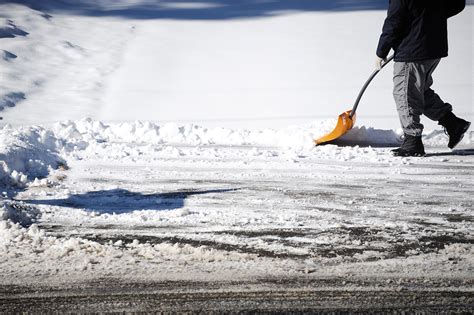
[265, 296]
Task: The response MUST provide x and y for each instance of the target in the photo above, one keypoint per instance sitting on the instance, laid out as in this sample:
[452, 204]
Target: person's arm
[455, 7]
[394, 27]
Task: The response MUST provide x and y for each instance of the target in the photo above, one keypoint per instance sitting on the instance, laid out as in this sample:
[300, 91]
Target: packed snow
[293, 63]
[114, 199]
[198, 160]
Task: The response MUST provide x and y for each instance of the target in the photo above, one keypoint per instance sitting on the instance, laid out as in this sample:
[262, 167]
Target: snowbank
[300, 137]
[26, 154]
[18, 213]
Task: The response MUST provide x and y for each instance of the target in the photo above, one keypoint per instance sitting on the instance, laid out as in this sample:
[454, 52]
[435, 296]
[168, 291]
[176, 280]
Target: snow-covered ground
[239, 64]
[185, 202]
[189, 192]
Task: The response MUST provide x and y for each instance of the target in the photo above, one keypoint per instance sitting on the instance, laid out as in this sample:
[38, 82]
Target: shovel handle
[356, 104]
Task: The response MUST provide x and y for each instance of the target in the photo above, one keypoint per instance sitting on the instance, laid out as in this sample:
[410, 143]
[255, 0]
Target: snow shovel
[346, 120]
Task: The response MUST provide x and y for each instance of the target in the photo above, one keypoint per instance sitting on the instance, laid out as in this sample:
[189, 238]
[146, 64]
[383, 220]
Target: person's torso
[426, 31]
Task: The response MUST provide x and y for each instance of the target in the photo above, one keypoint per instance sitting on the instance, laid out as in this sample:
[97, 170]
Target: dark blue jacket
[418, 29]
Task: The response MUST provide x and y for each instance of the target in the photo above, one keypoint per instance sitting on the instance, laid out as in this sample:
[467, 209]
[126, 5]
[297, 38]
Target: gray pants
[414, 96]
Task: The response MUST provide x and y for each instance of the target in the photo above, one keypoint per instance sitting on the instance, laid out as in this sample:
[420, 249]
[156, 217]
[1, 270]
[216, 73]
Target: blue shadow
[11, 30]
[123, 201]
[200, 10]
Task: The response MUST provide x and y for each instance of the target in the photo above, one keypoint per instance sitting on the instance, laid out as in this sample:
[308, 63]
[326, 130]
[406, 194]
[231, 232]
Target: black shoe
[411, 146]
[454, 127]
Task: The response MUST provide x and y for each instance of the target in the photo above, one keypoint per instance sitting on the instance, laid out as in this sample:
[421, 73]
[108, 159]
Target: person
[417, 32]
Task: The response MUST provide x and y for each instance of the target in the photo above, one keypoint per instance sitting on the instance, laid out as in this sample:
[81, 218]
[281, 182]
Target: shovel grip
[364, 88]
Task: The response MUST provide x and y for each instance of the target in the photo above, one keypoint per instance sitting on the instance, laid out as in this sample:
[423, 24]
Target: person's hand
[379, 62]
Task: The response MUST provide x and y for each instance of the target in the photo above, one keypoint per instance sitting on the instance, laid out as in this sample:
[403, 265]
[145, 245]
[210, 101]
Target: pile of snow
[18, 213]
[89, 131]
[26, 154]
[296, 137]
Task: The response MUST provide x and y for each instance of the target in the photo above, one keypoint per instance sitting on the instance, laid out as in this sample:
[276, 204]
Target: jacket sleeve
[455, 7]
[394, 27]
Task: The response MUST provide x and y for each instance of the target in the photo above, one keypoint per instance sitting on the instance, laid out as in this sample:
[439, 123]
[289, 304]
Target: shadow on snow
[459, 152]
[123, 201]
[198, 10]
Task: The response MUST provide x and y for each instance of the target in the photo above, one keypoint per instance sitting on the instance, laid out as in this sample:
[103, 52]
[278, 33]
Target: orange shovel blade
[344, 124]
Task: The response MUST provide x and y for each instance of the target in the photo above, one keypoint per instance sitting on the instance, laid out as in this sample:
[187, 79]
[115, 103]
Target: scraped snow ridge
[294, 137]
[28, 153]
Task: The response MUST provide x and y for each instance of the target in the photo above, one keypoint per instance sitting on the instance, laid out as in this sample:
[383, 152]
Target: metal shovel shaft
[346, 120]
[364, 88]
